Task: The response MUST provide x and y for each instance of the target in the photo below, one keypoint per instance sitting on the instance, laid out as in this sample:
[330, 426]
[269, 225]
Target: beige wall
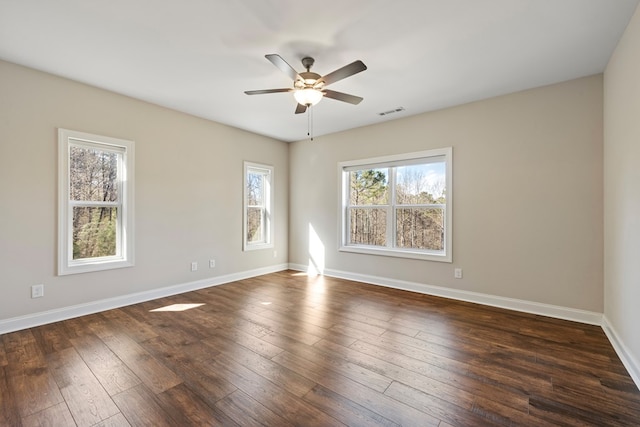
[622, 190]
[527, 207]
[528, 215]
[188, 201]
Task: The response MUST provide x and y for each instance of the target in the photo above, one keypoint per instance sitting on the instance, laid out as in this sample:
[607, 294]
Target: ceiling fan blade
[262, 91]
[283, 66]
[301, 108]
[351, 99]
[344, 72]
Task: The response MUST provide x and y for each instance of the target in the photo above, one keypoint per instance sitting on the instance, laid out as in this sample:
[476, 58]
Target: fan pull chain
[310, 122]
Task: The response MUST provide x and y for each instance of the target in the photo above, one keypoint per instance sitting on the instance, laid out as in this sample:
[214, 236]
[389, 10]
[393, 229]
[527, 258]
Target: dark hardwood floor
[287, 350]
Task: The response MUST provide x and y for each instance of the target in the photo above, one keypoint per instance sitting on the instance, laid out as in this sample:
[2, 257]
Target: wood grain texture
[290, 350]
[86, 399]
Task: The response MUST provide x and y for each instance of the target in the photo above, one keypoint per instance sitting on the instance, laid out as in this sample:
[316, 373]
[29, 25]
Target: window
[95, 218]
[398, 205]
[258, 206]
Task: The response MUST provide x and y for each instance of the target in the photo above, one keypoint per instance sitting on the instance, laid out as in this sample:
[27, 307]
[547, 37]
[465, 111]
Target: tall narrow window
[258, 206]
[398, 205]
[95, 220]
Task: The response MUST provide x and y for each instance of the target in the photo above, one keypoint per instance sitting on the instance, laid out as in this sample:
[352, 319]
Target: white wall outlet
[212, 263]
[37, 291]
[194, 266]
[457, 273]
[275, 254]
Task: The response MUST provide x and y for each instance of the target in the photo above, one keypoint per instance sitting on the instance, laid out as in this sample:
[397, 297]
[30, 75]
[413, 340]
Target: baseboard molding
[50, 316]
[558, 312]
[629, 362]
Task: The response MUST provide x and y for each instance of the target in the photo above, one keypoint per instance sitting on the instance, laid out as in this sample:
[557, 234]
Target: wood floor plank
[3, 355]
[420, 374]
[27, 375]
[360, 394]
[140, 407]
[9, 412]
[138, 330]
[248, 341]
[277, 374]
[196, 373]
[273, 396]
[435, 407]
[87, 400]
[345, 410]
[153, 374]
[117, 420]
[288, 329]
[322, 364]
[287, 349]
[247, 412]
[53, 416]
[51, 338]
[110, 371]
[188, 408]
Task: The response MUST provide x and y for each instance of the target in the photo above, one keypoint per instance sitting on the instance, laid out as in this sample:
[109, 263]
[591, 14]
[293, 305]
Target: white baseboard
[565, 313]
[42, 318]
[629, 362]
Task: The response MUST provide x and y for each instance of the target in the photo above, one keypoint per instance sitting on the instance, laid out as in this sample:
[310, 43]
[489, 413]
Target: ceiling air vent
[395, 110]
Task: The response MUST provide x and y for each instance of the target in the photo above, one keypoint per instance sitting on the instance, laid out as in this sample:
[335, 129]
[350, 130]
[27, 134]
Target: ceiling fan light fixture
[307, 96]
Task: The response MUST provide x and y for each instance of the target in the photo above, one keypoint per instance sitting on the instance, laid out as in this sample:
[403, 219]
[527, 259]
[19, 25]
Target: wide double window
[398, 205]
[258, 206]
[95, 229]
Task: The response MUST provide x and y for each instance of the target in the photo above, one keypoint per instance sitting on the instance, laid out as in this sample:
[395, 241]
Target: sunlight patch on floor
[177, 307]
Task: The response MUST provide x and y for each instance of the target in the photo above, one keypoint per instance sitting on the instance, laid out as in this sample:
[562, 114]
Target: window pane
[94, 232]
[421, 184]
[255, 225]
[93, 174]
[255, 189]
[369, 187]
[420, 228]
[368, 227]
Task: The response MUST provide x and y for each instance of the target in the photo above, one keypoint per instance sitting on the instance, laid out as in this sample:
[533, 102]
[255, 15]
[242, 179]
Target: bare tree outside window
[368, 189]
[93, 180]
[420, 219]
[255, 207]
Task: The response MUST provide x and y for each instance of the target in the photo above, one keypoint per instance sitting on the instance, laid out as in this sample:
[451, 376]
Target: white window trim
[269, 199]
[125, 250]
[398, 159]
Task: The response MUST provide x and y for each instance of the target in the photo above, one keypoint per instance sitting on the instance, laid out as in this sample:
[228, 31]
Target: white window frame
[391, 250]
[124, 256]
[268, 197]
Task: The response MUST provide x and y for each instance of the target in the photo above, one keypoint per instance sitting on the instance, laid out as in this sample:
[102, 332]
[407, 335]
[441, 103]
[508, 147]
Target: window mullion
[94, 204]
[391, 211]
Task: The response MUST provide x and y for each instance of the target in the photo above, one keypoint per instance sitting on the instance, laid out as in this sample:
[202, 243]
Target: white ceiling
[199, 56]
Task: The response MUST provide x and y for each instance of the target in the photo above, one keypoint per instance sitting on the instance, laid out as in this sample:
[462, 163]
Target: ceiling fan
[309, 87]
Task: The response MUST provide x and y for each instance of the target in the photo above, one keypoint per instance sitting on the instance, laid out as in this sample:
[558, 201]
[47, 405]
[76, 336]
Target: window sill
[88, 267]
[424, 256]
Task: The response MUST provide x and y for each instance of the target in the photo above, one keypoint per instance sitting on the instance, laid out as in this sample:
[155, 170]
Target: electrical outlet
[457, 273]
[194, 266]
[37, 291]
[275, 254]
[212, 263]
